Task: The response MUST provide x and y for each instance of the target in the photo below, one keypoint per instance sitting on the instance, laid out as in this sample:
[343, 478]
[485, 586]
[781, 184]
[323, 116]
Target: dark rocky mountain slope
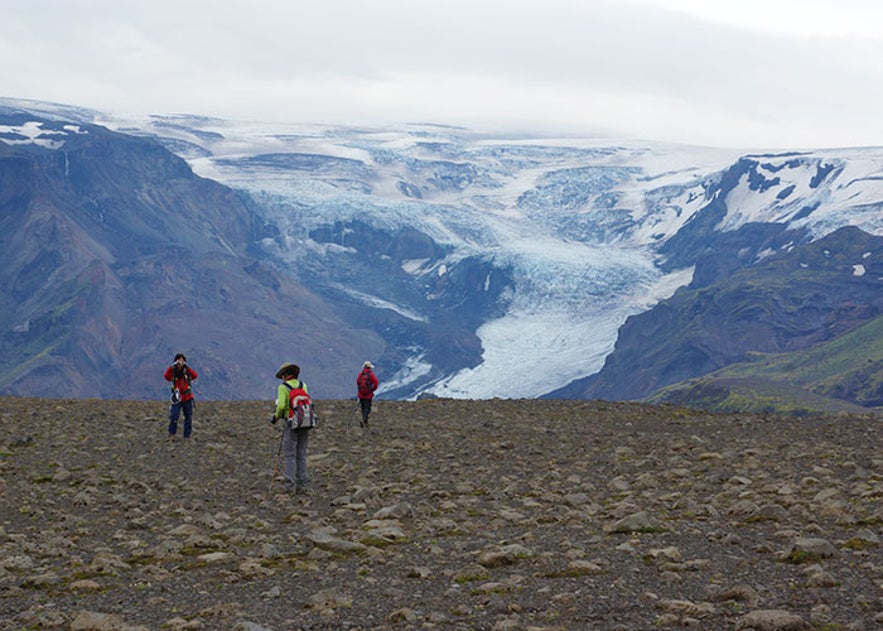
[825, 377]
[789, 301]
[115, 256]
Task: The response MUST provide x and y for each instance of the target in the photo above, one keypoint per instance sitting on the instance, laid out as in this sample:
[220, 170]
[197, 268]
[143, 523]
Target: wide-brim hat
[284, 369]
[367, 365]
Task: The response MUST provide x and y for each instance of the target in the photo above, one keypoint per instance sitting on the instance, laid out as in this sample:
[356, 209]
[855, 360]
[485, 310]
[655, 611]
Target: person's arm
[281, 402]
[170, 373]
[192, 373]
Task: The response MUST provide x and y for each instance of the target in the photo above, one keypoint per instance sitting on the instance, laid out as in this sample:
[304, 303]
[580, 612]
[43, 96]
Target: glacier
[577, 222]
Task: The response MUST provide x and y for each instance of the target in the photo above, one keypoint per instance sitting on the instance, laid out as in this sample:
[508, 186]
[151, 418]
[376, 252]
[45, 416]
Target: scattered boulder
[612, 515]
[635, 522]
[772, 620]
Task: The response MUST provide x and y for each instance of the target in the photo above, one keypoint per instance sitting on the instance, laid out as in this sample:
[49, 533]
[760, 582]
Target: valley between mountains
[446, 514]
[464, 265]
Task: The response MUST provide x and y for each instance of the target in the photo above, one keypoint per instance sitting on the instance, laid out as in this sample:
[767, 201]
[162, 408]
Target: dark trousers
[365, 404]
[175, 411]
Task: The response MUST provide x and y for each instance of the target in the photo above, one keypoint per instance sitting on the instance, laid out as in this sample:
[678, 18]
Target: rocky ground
[445, 515]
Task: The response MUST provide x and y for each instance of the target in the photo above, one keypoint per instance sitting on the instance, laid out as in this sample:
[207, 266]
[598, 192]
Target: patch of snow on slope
[852, 193]
[414, 368]
[379, 303]
[32, 133]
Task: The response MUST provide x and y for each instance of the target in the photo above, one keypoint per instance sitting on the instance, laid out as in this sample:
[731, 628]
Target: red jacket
[367, 382]
[182, 382]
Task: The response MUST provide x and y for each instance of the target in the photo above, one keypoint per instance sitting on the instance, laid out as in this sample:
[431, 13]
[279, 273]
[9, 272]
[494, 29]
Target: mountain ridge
[790, 301]
[842, 374]
[117, 257]
[472, 266]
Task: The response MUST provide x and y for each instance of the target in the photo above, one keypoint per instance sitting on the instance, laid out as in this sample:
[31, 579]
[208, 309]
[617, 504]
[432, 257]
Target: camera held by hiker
[295, 408]
[181, 399]
[367, 383]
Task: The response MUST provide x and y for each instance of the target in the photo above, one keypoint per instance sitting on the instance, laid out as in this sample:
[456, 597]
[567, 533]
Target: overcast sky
[741, 73]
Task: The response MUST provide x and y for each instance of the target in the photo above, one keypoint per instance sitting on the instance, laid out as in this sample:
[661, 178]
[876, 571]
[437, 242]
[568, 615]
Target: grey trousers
[294, 450]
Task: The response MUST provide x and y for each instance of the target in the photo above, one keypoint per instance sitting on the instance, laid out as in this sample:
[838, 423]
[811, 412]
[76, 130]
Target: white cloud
[779, 73]
[803, 18]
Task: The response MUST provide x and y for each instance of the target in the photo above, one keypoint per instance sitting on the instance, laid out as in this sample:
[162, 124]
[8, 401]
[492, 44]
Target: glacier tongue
[555, 335]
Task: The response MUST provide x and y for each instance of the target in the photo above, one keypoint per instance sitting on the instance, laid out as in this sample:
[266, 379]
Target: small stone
[397, 511]
[96, 621]
[806, 549]
[772, 620]
[402, 615]
[631, 523]
[329, 599]
[506, 555]
[215, 557]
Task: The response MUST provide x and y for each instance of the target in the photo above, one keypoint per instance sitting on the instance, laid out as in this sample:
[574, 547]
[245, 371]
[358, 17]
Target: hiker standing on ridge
[294, 439]
[367, 383]
[180, 374]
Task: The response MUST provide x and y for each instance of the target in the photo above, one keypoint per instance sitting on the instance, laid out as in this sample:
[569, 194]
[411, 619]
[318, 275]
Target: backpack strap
[290, 388]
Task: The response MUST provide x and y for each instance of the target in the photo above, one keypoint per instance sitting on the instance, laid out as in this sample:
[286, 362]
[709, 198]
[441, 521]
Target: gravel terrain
[498, 515]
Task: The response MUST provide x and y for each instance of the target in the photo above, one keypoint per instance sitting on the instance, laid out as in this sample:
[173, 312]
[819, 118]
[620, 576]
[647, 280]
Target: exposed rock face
[788, 302]
[446, 515]
[115, 256]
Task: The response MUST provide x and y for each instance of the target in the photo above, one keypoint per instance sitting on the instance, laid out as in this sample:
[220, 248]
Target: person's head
[367, 365]
[180, 359]
[288, 371]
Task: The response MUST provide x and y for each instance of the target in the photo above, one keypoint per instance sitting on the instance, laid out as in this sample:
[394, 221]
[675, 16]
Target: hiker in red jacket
[180, 374]
[367, 383]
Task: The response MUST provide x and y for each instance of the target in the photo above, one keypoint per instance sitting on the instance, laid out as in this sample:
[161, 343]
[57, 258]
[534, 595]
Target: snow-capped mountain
[503, 267]
[572, 228]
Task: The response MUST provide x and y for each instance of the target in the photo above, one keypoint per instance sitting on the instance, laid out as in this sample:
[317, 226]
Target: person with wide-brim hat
[294, 439]
[287, 368]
